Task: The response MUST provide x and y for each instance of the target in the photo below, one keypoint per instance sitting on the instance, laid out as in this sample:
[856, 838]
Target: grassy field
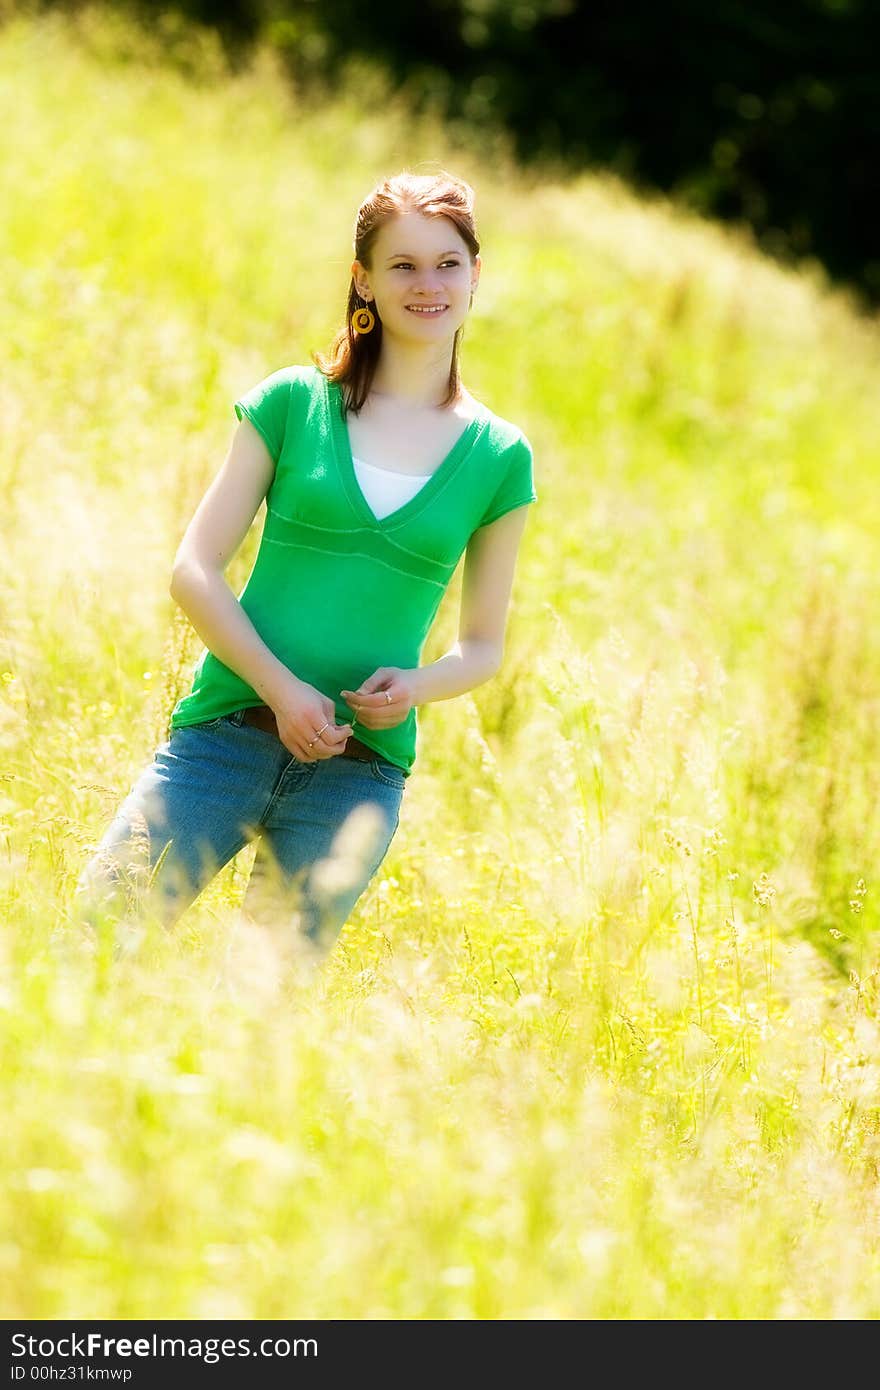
[601, 1040]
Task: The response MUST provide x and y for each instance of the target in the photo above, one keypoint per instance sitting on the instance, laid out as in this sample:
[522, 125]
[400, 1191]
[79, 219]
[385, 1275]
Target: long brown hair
[352, 357]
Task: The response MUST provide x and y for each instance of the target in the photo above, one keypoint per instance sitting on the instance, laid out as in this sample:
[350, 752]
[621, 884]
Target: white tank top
[385, 491]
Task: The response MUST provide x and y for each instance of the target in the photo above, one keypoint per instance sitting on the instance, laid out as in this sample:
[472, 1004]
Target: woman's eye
[407, 265]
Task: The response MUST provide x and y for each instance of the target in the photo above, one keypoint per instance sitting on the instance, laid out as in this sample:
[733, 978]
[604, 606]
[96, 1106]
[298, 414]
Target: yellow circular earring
[363, 320]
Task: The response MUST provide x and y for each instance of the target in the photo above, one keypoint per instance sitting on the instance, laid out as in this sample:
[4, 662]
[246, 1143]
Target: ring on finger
[318, 734]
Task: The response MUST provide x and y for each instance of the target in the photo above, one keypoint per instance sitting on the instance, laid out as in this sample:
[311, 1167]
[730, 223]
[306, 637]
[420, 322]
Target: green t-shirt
[335, 592]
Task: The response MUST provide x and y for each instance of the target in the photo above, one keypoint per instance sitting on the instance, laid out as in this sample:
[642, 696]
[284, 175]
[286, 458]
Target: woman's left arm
[490, 561]
[489, 564]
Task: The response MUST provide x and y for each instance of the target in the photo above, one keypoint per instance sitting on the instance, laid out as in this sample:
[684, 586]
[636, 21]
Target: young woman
[379, 470]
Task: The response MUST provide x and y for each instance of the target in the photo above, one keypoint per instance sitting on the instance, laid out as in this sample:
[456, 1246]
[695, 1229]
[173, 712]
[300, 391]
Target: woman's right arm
[217, 529]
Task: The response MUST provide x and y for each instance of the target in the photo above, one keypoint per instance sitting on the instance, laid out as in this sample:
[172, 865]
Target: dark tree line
[765, 112]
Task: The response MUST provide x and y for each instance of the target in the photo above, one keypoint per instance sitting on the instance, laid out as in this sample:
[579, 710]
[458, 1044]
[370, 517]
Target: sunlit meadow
[601, 1038]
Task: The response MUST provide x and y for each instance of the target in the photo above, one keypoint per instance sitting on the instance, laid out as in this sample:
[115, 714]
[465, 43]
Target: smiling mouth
[427, 308]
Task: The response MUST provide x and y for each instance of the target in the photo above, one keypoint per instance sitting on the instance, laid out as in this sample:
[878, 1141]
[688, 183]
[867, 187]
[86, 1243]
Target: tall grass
[601, 1040]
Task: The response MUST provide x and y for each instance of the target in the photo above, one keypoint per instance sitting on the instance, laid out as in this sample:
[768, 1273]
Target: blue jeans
[322, 829]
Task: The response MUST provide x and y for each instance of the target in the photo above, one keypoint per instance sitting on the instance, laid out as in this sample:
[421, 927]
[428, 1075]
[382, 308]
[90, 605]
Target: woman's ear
[361, 281]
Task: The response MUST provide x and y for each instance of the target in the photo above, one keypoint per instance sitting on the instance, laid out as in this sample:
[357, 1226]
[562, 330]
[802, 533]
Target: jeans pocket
[389, 773]
[235, 719]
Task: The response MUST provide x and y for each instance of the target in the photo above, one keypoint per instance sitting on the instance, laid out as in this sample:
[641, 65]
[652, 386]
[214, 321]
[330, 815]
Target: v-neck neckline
[345, 463]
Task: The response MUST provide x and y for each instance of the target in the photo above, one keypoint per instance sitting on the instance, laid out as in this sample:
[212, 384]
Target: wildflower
[763, 891]
[714, 840]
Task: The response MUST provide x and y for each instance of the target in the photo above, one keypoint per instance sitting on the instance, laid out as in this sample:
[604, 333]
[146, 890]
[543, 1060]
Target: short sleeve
[518, 484]
[266, 406]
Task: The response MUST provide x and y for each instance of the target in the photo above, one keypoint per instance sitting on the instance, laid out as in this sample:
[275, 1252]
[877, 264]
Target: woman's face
[422, 277]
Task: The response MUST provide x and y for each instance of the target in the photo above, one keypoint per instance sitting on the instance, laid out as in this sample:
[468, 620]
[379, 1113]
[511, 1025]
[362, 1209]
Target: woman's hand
[384, 699]
[301, 711]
